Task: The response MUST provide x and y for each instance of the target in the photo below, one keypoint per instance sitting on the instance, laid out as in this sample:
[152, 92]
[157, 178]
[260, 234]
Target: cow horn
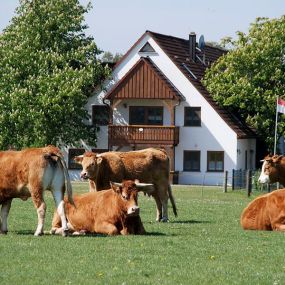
[262, 160]
[138, 184]
[116, 184]
[145, 187]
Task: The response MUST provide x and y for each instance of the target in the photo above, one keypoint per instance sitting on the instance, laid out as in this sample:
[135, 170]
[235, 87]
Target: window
[100, 115]
[192, 116]
[147, 48]
[215, 161]
[191, 160]
[72, 152]
[140, 115]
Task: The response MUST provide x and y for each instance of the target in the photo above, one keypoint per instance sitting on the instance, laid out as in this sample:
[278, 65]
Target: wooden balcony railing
[143, 134]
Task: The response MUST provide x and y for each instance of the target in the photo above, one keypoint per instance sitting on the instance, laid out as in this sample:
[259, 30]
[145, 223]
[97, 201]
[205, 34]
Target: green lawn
[204, 245]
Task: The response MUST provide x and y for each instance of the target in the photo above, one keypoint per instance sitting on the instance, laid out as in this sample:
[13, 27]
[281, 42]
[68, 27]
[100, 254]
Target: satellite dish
[201, 43]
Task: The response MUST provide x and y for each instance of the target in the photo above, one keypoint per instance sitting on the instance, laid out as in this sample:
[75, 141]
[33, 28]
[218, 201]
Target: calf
[28, 173]
[112, 212]
[266, 212]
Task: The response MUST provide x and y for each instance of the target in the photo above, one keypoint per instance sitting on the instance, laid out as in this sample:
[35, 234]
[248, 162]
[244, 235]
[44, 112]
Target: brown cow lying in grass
[112, 212]
[266, 212]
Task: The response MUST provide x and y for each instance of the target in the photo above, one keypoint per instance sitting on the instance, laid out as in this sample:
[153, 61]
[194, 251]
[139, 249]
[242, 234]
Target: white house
[156, 98]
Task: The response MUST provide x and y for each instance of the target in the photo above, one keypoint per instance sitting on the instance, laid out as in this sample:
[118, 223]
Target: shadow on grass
[190, 222]
[87, 235]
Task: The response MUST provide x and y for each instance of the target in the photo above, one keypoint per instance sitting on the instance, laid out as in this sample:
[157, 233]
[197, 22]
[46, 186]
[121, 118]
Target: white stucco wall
[246, 146]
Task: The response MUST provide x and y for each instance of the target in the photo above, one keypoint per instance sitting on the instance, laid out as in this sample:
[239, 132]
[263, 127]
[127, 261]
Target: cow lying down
[112, 212]
[266, 212]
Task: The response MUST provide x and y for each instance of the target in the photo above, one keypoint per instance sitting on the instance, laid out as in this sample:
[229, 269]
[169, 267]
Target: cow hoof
[3, 232]
[38, 234]
[52, 231]
[65, 233]
[164, 220]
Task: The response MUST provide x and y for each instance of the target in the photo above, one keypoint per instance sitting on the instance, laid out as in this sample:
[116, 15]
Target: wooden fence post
[226, 181]
[248, 182]
[233, 179]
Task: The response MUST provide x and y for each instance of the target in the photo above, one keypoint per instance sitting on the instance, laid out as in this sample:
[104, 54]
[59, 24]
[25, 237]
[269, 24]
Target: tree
[49, 68]
[249, 77]
[109, 57]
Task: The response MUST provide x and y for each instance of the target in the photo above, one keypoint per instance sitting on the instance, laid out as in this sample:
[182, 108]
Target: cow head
[270, 169]
[128, 192]
[90, 162]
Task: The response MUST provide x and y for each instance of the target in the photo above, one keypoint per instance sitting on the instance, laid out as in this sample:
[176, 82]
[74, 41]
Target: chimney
[192, 46]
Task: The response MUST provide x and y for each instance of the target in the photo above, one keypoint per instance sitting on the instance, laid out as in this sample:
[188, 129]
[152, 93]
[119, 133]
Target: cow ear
[277, 158]
[99, 159]
[78, 159]
[117, 188]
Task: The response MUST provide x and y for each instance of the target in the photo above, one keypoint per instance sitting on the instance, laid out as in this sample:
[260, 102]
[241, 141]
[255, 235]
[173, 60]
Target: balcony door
[145, 115]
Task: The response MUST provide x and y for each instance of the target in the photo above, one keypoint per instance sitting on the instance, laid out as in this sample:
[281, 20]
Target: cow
[266, 212]
[273, 170]
[111, 212]
[28, 173]
[149, 165]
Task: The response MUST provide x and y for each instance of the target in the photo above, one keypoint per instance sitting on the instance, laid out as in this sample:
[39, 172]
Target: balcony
[143, 134]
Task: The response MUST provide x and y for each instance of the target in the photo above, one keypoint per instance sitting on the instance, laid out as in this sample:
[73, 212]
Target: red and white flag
[281, 106]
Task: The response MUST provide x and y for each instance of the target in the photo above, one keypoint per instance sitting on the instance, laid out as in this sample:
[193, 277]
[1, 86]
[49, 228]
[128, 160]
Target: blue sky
[116, 25]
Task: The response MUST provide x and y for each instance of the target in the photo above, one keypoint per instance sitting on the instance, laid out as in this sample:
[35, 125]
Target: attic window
[147, 48]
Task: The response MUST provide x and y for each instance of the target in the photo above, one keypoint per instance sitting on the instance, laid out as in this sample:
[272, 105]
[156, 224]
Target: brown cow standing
[148, 165]
[114, 211]
[273, 170]
[28, 173]
[266, 212]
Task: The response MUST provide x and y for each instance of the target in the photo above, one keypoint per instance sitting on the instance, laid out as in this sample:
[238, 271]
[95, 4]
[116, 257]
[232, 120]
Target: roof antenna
[201, 46]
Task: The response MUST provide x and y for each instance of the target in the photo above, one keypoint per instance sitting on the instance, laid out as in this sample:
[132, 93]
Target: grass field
[204, 245]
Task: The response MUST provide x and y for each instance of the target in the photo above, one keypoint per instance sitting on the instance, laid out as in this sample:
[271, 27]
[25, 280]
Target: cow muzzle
[263, 178]
[134, 211]
[84, 175]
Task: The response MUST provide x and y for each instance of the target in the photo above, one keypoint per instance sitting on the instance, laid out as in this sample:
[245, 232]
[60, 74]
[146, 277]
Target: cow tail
[172, 200]
[67, 180]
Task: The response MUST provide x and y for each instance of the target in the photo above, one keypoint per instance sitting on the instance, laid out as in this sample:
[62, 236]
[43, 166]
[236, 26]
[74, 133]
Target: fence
[248, 180]
[245, 180]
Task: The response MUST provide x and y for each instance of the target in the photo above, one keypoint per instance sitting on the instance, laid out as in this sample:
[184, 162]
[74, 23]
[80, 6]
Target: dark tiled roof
[178, 51]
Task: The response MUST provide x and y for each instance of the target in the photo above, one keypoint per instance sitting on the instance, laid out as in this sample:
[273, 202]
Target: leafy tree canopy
[109, 57]
[48, 70]
[251, 75]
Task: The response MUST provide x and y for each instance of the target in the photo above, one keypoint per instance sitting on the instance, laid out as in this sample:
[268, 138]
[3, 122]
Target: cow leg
[158, 208]
[163, 198]
[164, 203]
[107, 228]
[58, 198]
[278, 227]
[92, 186]
[4, 216]
[40, 205]
[56, 223]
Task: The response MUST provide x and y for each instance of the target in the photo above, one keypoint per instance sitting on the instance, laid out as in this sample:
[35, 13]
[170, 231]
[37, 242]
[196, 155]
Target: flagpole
[276, 122]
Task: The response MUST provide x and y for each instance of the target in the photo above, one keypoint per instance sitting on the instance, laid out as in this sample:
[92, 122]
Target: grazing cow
[112, 212]
[148, 165]
[273, 170]
[28, 173]
[266, 212]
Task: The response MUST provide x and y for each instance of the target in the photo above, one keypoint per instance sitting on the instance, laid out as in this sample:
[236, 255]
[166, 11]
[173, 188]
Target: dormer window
[147, 48]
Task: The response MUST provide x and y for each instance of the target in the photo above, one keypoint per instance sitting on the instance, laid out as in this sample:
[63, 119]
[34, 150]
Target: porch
[133, 135]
